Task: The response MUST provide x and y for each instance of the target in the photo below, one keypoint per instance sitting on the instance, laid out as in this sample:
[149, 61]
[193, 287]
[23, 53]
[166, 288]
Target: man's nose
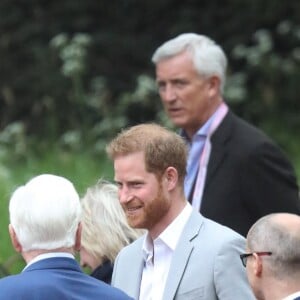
[124, 195]
[168, 94]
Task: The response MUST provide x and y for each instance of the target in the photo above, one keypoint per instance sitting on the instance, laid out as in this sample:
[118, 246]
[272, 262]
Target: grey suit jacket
[205, 264]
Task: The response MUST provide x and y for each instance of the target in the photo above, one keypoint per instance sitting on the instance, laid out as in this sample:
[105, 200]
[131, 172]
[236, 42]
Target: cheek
[119, 195]
[161, 95]
[249, 276]
[164, 96]
[190, 99]
[146, 195]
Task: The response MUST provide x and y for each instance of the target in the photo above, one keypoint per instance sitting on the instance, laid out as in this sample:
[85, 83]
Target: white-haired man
[45, 228]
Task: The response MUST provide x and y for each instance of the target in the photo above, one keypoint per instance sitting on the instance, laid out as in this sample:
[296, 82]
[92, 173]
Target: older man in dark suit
[235, 173]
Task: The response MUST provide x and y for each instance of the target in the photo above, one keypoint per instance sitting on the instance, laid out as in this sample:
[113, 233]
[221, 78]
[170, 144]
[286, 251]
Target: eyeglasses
[246, 255]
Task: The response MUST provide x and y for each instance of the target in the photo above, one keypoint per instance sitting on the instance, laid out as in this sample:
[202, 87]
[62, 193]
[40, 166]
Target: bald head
[288, 222]
[278, 233]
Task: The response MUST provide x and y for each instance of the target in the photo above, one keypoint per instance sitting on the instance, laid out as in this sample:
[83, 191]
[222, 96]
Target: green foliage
[61, 59]
[82, 168]
[264, 88]
[102, 115]
[270, 65]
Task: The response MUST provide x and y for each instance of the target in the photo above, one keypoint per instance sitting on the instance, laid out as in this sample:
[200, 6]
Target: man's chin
[134, 223]
[177, 121]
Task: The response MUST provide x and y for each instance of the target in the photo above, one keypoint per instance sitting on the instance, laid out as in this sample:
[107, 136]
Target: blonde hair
[105, 230]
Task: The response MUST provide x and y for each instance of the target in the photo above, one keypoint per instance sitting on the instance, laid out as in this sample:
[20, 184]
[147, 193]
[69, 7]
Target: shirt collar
[49, 255]
[292, 296]
[203, 130]
[170, 235]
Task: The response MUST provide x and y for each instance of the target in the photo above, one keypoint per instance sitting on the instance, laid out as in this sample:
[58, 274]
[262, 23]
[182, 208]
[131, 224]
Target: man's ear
[214, 85]
[14, 239]
[78, 237]
[258, 266]
[171, 177]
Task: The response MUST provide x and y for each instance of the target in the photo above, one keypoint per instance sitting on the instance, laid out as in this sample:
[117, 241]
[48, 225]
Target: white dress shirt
[158, 256]
[49, 255]
[292, 297]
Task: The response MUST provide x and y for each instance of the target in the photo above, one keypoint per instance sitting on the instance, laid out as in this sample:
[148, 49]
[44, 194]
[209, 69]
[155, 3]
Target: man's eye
[137, 184]
[180, 84]
[161, 87]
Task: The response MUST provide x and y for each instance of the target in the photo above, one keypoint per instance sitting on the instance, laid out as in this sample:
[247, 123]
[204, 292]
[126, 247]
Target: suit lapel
[182, 254]
[219, 150]
[135, 269]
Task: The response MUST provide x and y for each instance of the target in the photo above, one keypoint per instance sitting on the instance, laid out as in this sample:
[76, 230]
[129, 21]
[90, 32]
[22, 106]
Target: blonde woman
[105, 230]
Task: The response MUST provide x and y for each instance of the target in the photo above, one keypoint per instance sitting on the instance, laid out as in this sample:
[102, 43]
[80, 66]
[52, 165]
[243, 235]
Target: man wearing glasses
[273, 257]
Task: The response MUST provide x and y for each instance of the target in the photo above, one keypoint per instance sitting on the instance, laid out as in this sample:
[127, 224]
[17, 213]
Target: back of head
[45, 213]
[105, 229]
[278, 233]
[162, 148]
[208, 57]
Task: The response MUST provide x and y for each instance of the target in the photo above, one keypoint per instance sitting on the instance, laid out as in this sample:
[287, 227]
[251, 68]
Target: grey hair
[208, 57]
[268, 235]
[45, 213]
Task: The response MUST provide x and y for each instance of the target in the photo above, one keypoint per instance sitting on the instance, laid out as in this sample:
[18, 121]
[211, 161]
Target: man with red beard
[183, 255]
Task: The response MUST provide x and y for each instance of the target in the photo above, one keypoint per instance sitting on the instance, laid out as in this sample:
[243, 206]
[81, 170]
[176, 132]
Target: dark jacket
[248, 176]
[56, 278]
[104, 272]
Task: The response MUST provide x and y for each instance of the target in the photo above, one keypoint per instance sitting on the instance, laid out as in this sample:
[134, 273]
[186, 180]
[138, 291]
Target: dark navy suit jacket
[57, 278]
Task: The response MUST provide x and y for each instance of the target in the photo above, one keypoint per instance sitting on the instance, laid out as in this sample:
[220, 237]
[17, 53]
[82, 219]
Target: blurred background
[73, 73]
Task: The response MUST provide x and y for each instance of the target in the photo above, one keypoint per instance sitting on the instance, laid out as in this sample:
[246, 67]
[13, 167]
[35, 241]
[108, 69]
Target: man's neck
[172, 215]
[190, 132]
[31, 254]
[279, 290]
